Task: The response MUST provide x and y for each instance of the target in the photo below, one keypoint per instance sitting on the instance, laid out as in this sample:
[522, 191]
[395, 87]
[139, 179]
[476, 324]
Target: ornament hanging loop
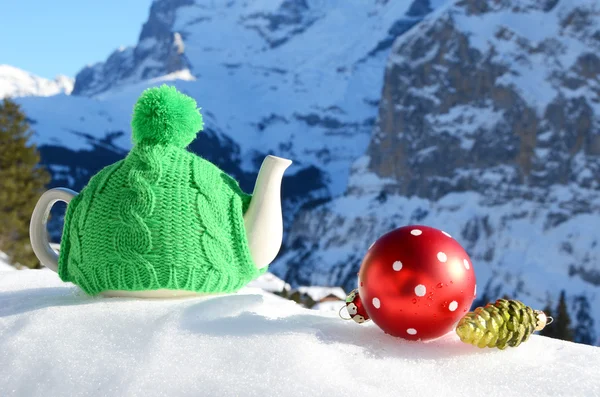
[340, 314]
[542, 320]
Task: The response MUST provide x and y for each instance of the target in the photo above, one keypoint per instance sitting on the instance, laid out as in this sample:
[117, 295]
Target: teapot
[164, 222]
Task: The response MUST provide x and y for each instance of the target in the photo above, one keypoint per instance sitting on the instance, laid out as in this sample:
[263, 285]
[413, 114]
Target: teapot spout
[263, 219]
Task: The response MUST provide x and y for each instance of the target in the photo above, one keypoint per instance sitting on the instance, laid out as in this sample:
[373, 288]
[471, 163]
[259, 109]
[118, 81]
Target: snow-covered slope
[56, 341]
[487, 129]
[330, 306]
[15, 82]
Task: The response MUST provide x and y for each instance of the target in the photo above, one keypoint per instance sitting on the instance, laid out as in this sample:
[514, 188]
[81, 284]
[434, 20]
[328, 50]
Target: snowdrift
[56, 341]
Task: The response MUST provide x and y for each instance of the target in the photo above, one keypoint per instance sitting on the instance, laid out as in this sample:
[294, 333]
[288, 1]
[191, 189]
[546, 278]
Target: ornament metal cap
[542, 320]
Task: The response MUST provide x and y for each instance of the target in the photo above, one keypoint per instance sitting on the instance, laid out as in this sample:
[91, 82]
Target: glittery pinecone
[501, 324]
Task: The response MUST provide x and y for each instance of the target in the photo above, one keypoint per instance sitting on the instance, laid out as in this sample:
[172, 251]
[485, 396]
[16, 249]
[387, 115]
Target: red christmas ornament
[355, 307]
[416, 282]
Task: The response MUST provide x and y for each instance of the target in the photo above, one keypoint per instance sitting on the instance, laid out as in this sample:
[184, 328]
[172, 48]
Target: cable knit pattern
[133, 239]
[71, 240]
[162, 218]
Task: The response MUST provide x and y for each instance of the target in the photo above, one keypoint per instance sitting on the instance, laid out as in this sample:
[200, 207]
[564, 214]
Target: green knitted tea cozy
[162, 218]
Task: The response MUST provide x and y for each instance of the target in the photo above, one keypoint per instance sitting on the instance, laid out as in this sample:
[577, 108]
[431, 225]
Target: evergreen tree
[584, 328]
[562, 321]
[22, 180]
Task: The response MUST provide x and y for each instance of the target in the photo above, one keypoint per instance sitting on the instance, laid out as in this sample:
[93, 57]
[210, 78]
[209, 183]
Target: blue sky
[50, 37]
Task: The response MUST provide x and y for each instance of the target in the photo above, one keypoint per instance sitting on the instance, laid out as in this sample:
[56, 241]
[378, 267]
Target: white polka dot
[446, 234]
[376, 303]
[442, 257]
[411, 331]
[466, 263]
[420, 290]
[352, 309]
[397, 266]
[416, 232]
[453, 305]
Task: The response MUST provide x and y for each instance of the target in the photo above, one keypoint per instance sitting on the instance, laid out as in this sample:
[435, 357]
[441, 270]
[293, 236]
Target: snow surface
[332, 306]
[57, 341]
[15, 82]
[5, 266]
[270, 283]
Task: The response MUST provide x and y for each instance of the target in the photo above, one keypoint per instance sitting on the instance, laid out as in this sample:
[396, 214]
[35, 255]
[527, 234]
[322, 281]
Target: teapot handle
[38, 232]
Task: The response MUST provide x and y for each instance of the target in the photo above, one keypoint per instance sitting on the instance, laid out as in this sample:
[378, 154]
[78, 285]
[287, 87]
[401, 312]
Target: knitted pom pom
[163, 115]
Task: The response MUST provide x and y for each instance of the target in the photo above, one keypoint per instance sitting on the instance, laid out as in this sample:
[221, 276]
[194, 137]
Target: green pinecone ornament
[501, 324]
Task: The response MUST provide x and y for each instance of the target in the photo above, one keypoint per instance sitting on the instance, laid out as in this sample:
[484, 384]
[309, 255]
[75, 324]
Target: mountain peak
[160, 51]
[15, 82]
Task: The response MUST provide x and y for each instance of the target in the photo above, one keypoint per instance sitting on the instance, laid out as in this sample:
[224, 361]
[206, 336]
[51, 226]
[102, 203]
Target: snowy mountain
[487, 129]
[15, 82]
[263, 72]
[478, 117]
[57, 341]
[265, 75]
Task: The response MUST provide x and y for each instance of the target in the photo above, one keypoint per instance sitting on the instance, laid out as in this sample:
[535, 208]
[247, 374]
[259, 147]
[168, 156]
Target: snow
[146, 44]
[317, 293]
[59, 118]
[270, 282]
[363, 179]
[428, 92]
[331, 306]
[57, 341]
[531, 72]
[5, 266]
[539, 48]
[464, 122]
[15, 82]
